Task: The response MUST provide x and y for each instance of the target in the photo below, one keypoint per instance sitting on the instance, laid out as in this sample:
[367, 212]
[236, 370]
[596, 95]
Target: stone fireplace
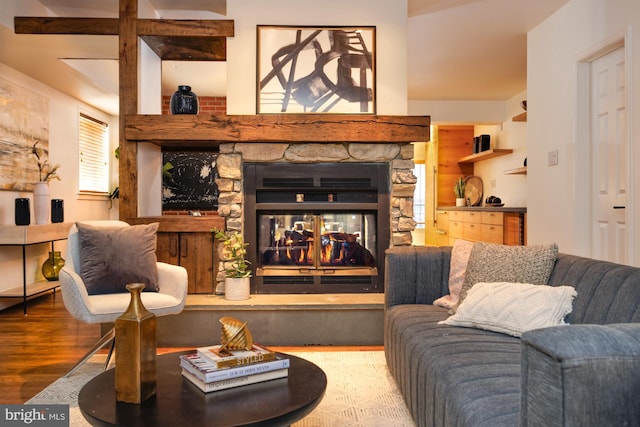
[383, 219]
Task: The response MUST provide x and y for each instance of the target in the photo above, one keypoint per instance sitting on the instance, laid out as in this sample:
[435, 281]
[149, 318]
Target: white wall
[63, 149]
[389, 17]
[459, 112]
[508, 134]
[555, 48]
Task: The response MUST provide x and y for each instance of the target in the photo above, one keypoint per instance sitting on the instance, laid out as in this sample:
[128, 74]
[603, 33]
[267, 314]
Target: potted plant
[236, 266]
[458, 189]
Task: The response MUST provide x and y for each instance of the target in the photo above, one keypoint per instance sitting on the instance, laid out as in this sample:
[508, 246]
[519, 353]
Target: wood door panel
[196, 255]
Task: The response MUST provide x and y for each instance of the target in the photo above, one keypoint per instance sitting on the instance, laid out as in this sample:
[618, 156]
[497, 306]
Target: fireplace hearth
[316, 228]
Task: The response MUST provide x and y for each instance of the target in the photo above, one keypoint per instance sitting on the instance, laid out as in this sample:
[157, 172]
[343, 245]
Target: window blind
[93, 155]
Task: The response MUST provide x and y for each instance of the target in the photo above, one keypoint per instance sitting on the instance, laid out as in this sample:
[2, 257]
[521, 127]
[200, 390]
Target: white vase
[460, 201]
[237, 289]
[41, 202]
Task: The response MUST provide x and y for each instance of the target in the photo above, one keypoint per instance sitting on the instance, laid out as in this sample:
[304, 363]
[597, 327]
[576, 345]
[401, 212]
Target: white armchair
[106, 308]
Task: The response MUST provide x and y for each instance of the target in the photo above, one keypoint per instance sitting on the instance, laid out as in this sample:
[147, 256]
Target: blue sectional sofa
[583, 374]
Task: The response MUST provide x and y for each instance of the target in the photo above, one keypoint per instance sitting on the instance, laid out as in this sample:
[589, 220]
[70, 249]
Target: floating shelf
[522, 117]
[496, 152]
[522, 170]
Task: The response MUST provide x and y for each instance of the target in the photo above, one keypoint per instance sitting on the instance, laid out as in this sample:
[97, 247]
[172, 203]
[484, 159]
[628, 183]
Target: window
[419, 195]
[93, 155]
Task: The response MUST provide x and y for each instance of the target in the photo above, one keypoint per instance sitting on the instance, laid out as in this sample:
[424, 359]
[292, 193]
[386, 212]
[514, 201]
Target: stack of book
[212, 370]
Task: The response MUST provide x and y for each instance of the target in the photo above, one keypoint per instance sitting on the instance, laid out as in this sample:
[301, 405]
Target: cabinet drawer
[492, 233]
[456, 216]
[472, 217]
[442, 220]
[472, 232]
[494, 218]
[456, 229]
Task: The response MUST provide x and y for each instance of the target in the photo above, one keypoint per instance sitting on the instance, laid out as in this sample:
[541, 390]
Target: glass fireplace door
[312, 241]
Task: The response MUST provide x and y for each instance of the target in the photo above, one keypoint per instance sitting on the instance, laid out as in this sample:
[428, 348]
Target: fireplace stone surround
[399, 157]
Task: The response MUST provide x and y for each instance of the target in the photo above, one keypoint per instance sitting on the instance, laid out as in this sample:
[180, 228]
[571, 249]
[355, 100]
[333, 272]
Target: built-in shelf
[522, 117]
[522, 170]
[496, 152]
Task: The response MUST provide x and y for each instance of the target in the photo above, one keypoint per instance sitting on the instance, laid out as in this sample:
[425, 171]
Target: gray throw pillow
[110, 258]
[489, 262]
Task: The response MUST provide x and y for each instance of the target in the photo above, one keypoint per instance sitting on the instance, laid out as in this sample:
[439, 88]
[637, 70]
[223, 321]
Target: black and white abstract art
[316, 70]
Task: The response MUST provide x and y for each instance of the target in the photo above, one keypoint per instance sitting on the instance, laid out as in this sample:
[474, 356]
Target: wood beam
[128, 73]
[109, 26]
[185, 28]
[192, 129]
[50, 25]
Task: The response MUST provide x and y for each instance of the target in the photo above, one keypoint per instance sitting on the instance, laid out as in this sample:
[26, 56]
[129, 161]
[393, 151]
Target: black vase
[183, 101]
[57, 210]
[23, 213]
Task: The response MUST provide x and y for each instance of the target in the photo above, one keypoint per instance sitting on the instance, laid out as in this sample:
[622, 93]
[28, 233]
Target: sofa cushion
[110, 258]
[459, 260]
[513, 308]
[490, 262]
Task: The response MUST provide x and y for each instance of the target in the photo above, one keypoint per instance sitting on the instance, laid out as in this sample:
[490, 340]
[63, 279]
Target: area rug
[360, 391]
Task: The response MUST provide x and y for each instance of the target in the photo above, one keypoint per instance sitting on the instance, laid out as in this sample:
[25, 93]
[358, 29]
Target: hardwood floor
[39, 348]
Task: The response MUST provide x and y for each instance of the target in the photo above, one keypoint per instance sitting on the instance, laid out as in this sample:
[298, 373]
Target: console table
[26, 235]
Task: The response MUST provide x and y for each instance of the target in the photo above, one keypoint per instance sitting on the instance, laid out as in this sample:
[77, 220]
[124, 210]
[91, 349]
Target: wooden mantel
[208, 131]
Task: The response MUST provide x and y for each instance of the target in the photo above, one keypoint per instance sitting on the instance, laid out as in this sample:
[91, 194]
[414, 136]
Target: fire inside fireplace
[316, 228]
[320, 241]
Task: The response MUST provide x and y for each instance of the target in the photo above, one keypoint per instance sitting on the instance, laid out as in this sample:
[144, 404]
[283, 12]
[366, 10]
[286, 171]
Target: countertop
[508, 209]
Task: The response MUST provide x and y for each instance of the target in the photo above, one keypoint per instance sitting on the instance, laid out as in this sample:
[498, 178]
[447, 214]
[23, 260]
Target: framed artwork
[188, 180]
[24, 124]
[316, 70]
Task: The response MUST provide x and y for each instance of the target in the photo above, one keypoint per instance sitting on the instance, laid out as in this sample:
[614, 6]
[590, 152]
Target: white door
[610, 156]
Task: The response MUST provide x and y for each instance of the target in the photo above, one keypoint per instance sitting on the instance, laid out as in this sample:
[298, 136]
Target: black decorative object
[485, 142]
[57, 210]
[183, 101]
[23, 214]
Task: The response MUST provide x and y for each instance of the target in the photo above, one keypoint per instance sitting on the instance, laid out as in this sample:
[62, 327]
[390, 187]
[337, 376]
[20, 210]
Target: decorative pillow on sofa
[112, 257]
[489, 262]
[459, 259]
[513, 308]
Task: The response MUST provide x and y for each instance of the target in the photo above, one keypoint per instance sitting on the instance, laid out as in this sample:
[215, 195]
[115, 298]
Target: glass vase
[183, 101]
[52, 266]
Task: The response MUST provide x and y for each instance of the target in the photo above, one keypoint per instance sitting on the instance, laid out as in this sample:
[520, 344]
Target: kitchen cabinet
[477, 224]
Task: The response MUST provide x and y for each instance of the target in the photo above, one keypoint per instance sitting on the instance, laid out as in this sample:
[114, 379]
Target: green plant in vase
[234, 255]
[458, 189]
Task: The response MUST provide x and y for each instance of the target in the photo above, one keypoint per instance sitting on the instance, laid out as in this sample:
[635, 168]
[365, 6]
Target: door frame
[583, 167]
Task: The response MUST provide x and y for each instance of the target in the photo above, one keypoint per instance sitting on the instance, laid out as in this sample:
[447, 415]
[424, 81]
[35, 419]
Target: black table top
[179, 403]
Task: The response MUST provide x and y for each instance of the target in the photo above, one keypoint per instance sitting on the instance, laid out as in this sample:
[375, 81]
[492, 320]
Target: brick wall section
[208, 104]
[186, 213]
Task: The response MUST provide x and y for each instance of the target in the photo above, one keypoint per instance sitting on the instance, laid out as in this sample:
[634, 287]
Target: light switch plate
[552, 158]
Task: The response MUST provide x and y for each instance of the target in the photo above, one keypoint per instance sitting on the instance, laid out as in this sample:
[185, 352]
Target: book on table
[207, 372]
[234, 382]
[222, 358]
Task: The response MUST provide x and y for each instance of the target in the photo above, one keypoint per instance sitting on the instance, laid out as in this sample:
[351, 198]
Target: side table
[177, 402]
[26, 235]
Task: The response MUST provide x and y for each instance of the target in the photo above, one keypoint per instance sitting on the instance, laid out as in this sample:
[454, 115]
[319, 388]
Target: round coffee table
[179, 403]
